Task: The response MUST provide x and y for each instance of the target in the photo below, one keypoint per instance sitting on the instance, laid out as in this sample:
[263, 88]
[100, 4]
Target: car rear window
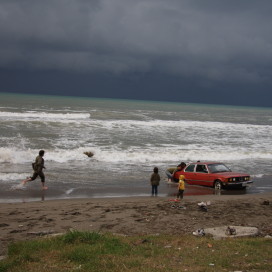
[190, 168]
[201, 168]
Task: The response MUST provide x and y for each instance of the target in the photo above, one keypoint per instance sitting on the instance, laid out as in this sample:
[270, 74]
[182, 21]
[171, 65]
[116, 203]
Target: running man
[38, 167]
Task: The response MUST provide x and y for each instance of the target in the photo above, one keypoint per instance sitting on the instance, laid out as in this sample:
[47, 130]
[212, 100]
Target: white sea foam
[15, 155]
[133, 154]
[19, 186]
[133, 124]
[43, 115]
[152, 155]
[179, 126]
[7, 177]
[257, 176]
[68, 192]
[264, 188]
[164, 155]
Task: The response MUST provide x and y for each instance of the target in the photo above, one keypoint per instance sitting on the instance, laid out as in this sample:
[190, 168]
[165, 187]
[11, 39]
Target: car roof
[205, 162]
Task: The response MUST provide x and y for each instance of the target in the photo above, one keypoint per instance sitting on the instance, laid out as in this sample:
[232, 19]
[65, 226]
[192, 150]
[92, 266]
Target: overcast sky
[205, 51]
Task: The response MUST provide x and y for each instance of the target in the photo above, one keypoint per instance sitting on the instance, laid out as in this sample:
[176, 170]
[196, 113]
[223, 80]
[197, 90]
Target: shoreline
[33, 193]
[132, 215]
[204, 196]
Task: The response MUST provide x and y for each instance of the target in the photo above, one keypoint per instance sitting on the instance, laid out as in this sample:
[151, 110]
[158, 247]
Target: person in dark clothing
[38, 167]
[155, 181]
[175, 174]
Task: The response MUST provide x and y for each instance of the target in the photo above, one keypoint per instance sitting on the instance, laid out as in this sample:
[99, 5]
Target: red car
[213, 174]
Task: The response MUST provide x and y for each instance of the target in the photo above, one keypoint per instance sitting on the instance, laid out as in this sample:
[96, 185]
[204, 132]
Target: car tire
[218, 185]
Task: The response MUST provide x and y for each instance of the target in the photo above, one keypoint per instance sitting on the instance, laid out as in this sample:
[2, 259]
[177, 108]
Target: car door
[202, 176]
[189, 173]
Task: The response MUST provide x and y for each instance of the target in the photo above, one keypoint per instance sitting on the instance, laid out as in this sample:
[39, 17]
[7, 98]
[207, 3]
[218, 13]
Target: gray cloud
[212, 40]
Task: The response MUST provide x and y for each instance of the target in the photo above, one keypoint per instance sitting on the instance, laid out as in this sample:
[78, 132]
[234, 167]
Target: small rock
[89, 154]
[75, 213]
[141, 242]
[230, 231]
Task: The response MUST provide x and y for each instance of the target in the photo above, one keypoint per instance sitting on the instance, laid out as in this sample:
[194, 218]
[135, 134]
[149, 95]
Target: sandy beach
[128, 216]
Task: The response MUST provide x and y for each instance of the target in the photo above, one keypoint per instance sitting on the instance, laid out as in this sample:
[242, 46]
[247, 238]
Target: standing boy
[155, 181]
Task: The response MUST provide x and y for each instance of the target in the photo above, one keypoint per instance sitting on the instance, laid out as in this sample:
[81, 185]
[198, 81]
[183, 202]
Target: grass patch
[88, 251]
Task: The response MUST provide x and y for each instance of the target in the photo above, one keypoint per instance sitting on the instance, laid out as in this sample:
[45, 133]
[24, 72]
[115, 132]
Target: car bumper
[238, 184]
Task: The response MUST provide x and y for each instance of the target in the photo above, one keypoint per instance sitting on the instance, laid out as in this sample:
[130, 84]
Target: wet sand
[135, 215]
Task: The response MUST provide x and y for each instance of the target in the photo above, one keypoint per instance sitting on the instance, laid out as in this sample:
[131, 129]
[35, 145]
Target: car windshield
[218, 167]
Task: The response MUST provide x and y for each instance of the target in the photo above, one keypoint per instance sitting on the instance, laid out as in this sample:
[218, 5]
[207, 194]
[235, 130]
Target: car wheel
[217, 185]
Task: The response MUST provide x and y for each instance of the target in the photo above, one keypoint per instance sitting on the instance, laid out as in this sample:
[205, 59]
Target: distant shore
[134, 215]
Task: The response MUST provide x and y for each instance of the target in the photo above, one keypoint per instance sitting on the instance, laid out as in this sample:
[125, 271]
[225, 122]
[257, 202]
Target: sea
[128, 139]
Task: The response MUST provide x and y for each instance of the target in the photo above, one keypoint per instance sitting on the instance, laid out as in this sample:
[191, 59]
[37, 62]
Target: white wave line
[45, 115]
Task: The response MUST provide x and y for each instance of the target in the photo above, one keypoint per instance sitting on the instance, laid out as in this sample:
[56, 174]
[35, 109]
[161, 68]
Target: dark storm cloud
[209, 41]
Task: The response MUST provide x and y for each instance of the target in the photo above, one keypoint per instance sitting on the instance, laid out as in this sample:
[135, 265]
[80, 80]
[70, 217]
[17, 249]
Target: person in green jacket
[38, 167]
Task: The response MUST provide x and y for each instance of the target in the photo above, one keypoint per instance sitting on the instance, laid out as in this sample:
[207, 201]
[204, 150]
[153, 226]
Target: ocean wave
[128, 124]
[19, 156]
[132, 155]
[161, 155]
[181, 124]
[7, 177]
[257, 176]
[69, 191]
[16, 155]
[44, 115]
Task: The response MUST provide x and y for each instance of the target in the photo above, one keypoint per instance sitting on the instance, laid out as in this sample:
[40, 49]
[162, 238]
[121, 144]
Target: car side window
[201, 168]
[190, 168]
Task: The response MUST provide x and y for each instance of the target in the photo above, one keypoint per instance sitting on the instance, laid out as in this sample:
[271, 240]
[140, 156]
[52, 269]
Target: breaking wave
[12, 176]
[43, 115]
[147, 155]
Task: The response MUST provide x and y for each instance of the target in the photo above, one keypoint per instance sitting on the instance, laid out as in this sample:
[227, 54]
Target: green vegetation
[87, 251]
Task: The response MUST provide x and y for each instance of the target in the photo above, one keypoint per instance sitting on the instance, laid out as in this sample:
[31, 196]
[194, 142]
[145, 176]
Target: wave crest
[44, 115]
